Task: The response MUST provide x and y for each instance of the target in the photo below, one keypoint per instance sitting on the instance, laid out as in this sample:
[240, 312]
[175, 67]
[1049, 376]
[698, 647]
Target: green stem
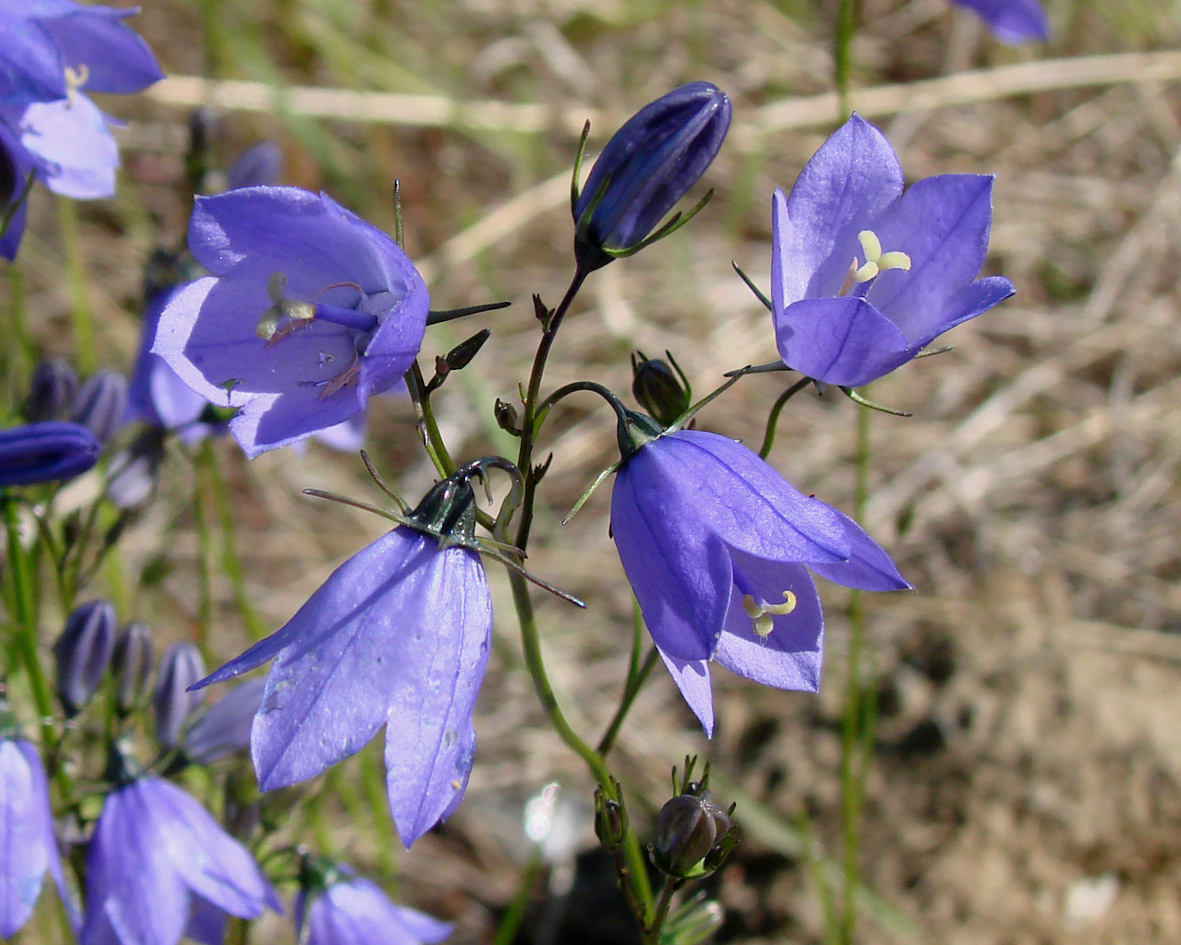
[427, 423]
[635, 681]
[652, 932]
[776, 410]
[25, 601]
[843, 56]
[514, 915]
[855, 739]
[83, 323]
[231, 561]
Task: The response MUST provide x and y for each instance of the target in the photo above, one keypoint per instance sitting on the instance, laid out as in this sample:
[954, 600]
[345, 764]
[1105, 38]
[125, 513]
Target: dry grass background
[1028, 785]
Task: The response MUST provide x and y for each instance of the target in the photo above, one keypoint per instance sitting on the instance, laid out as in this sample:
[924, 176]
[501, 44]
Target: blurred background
[1027, 785]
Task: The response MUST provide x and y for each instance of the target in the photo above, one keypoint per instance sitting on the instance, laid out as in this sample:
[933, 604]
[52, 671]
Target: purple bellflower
[335, 907]
[397, 636]
[54, 51]
[45, 452]
[864, 276]
[309, 311]
[27, 846]
[648, 165]
[159, 867]
[714, 543]
[1012, 21]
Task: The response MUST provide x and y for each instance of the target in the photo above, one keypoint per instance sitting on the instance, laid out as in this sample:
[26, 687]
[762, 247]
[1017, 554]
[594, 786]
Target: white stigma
[875, 260]
[298, 313]
[75, 79]
[763, 615]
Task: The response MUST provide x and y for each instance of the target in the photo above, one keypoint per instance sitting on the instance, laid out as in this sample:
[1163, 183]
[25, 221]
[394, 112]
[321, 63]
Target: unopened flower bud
[648, 165]
[83, 653]
[461, 355]
[131, 666]
[51, 390]
[506, 417]
[257, 166]
[687, 831]
[45, 452]
[224, 727]
[100, 403]
[610, 821]
[664, 394]
[180, 667]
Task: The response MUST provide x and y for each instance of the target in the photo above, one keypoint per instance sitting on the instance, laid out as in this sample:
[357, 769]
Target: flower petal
[1012, 21]
[868, 568]
[843, 341]
[440, 659]
[853, 177]
[692, 679]
[790, 656]
[115, 56]
[942, 224]
[77, 152]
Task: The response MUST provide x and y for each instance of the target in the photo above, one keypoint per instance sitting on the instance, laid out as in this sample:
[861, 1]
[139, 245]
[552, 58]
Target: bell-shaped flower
[27, 846]
[45, 452]
[1012, 21]
[309, 311]
[336, 907]
[159, 867]
[56, 46]
[717, 547]
[864, 276]
[648, 165]
[397, 636]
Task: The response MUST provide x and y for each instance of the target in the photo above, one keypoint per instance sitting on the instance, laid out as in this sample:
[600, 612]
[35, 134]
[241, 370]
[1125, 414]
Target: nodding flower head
[307, 313]
[1012, 21]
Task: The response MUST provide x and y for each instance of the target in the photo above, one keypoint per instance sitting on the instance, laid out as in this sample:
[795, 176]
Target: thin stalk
[635, 682]
[432, 436]
[855, 740]
[652, 932]
[82, 320]
[776, 410]
[843, 58]
[231, 561]
[514, 915]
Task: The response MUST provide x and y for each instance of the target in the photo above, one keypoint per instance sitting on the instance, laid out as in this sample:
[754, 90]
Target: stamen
[875, 260]
[297, 313]
[762, 614]
[75, 79]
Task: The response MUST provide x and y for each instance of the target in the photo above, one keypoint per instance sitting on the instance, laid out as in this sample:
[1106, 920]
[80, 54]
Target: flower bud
[100, 403]
[132, 666]
[180, 667]
[43, 452]
[51, 390]
[647, 166]
[258, 165]
[83, 652]
[224, 727]
[506, 417]
[688, 830]
[610, 820]
[664, 394]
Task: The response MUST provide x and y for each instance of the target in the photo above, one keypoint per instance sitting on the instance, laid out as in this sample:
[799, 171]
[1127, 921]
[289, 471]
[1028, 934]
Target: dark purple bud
[665, 394]
[647, 166]
[8, 178]
[688, 830]
[83, 653]
[259, 165]
[100, 404]
[506, 417]
[225, 727]
[180, 667]
[51, 390]
[461, 355]
[45, 452]
[131, 666]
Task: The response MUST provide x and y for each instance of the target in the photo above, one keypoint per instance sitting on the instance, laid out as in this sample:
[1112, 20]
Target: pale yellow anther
[875, 260]
[763, 615]
[76, 79]
[299, 313]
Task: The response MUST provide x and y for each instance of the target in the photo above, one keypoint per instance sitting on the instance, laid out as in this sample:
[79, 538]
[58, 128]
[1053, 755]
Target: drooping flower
[27, 846]
[648, 165]
[159, 867]
[45, 452]
[336, 907]
[864, 276]
[53, 51]
[397, 636]
[1012, 21]
[56, 46]
[717, 547]
[309, 311]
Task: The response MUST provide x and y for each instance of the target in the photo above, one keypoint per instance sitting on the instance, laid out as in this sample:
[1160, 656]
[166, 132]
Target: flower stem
[843, 57]
[776, 410]
[427, 423]
[856, 732]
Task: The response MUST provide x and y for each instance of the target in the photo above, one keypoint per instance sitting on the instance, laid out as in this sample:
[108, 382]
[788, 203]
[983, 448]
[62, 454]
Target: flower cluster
[49, 128]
